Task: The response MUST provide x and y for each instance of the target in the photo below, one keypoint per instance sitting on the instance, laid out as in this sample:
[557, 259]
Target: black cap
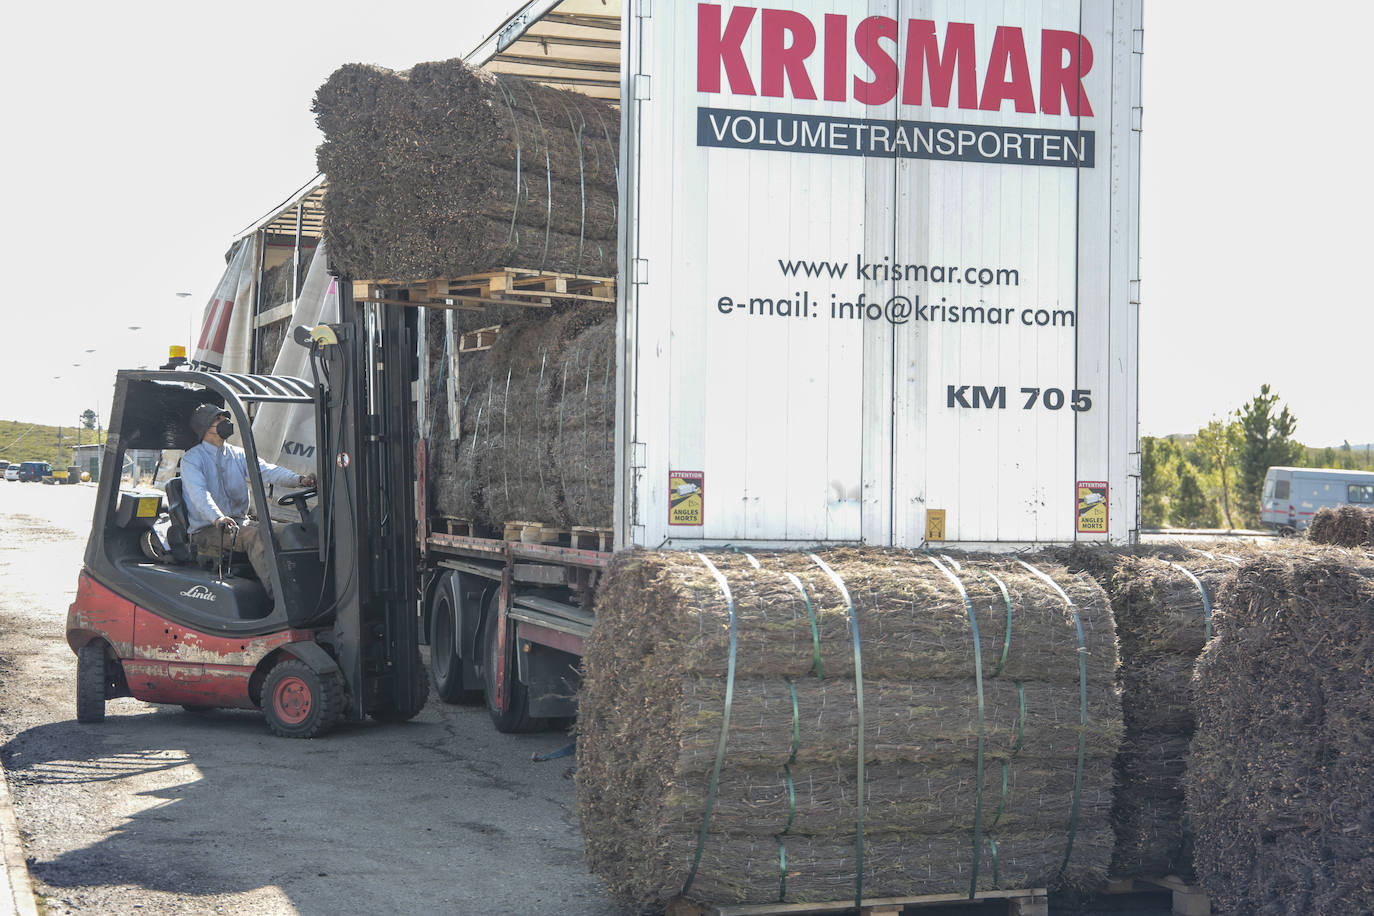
[204, 417]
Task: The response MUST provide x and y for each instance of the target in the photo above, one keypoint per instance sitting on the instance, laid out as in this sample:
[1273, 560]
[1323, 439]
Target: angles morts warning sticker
[686, 497]
[1092, 506]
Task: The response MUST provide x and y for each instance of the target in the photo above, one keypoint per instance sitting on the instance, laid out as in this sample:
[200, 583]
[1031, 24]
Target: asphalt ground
[160, 811]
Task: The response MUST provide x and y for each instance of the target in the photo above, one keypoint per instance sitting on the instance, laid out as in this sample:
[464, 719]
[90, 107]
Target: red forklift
[157, 620]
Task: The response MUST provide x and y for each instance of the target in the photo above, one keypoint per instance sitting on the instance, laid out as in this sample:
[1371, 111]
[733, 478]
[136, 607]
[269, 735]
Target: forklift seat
[179, 534]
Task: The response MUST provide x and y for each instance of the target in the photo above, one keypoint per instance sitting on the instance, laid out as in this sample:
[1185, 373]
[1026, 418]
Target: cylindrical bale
[1343, 526]
[653, 710]
[444, 170]
[1283, 753]
[519, 443]
[580, 405]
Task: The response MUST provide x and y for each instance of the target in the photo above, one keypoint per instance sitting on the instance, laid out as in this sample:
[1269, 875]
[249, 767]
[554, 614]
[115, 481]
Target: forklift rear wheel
[516, 718]
[299, 702]
[90, 683]
[444, 660]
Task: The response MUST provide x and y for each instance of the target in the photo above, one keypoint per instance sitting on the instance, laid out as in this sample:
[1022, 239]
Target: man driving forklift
[215, 486]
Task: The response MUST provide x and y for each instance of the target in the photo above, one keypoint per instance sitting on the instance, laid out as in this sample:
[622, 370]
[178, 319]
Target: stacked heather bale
[784, 823]
[580, 405]
[1163, 619]
[446, 171]
[536, 418]
[1345, 526]
[1283, 755]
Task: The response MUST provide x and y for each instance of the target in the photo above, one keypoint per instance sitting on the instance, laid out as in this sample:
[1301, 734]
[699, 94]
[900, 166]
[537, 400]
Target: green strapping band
[1082, 709]
[815, 630]
[859, 702]
[978, 679]
[1021, 726]
[791, 792]
[1001, 805]
[724, 725]
[1206, 604]
[1006, 642]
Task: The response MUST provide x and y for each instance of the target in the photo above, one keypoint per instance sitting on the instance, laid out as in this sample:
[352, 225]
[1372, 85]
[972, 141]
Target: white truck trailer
[878, 284]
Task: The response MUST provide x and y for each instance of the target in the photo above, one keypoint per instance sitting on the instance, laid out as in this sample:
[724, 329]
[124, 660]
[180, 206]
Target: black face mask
[224, 428]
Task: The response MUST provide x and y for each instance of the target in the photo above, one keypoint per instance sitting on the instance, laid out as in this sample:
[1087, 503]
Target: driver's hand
[308, 480]
[227, 523]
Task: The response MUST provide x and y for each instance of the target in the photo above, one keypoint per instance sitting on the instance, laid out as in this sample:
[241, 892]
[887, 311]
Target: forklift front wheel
[90, 683]
[299, 702]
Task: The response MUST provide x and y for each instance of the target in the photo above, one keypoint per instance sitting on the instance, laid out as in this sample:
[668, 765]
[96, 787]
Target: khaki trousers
[249, 540]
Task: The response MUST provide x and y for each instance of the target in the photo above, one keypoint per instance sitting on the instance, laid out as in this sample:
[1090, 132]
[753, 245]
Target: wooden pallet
[503, 286]
[534, 533]
[1024, 902]
[1189, 899]
[449, 524]
[585, 538]
[478, 340]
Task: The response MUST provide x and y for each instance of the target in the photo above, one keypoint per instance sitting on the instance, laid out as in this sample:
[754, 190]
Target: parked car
[34, 470]
[1291, 496]
[12, 472]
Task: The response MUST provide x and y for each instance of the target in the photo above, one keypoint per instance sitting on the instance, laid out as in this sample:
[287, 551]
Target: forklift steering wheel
[298, 499]
[301, 495]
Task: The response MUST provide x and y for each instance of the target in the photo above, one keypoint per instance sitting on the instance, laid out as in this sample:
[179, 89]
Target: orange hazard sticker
[686, 497]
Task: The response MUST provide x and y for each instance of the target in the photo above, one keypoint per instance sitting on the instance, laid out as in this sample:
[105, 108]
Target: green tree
[1159, 460]
[1219, 444]
[1267, 441]
[1328, 458]
[88, 418]
[1193, 509]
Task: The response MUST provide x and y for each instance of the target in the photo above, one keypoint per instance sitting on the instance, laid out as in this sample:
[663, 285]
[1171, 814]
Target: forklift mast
[366, 438]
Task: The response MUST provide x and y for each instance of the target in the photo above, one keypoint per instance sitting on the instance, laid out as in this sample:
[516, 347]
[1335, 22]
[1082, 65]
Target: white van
[1291, 496]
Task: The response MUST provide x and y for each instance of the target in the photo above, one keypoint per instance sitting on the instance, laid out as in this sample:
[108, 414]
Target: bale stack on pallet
[444, 171]
[1283, 756]
[806, 728]
[1163, 618]
[536, 419]
[1346, 526]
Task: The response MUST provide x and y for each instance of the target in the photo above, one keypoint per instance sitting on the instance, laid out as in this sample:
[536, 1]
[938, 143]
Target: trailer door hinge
[641, 87]
[641, 272]
[1135, 292]
[638, 455]
[1137, 116]
[644, 9]
[1133, 464]
[1138, 41]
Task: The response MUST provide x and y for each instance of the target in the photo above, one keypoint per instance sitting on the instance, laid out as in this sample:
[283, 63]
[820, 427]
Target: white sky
[143, 137]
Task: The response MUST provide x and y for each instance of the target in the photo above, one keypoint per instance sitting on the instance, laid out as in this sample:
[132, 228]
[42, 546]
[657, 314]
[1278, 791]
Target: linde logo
[199, 592]
[877, 60]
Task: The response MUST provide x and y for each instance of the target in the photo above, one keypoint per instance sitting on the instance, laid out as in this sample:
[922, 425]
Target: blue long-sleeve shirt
[215, 482]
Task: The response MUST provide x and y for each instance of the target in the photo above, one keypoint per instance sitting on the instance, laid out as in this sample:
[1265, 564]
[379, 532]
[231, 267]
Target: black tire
[444, 662]
[391, 713]
[516, 719]
[299, 702]
[90, 683]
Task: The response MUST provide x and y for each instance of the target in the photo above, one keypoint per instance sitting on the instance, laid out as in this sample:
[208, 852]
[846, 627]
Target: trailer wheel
[516, 719]
[299, 702]
[90, 683]
[444, 660]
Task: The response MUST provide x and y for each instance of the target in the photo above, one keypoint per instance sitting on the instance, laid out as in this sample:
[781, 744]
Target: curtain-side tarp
[285, 433]
[225, 331]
